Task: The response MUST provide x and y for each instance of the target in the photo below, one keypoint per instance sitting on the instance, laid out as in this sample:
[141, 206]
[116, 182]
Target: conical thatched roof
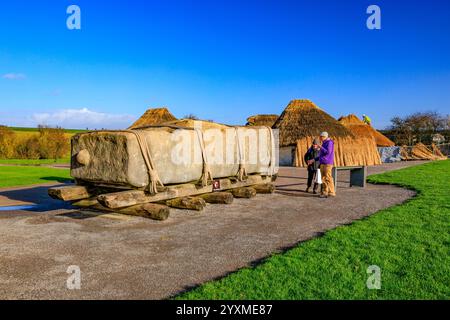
[359, 128]
[267, 120]
[153, 117]
[302, 118]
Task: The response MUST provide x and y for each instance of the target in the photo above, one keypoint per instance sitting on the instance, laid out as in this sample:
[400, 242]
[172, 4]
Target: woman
[311, 154]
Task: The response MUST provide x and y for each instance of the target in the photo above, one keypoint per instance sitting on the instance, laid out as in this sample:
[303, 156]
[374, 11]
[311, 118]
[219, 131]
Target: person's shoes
[314, 191]
[323, 196]
[307, 189]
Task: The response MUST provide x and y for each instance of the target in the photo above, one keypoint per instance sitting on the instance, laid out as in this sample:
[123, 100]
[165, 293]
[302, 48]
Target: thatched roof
[267, 120]
[302, 118]
[191, 123]
[153, 117]
[359, 128]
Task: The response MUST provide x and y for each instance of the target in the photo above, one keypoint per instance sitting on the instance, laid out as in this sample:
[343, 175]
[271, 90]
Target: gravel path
[123, 257]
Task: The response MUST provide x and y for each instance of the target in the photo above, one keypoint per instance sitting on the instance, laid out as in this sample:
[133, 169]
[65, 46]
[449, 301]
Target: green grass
[22, 175]
[33, 162]
[409, 242]
[20, 129]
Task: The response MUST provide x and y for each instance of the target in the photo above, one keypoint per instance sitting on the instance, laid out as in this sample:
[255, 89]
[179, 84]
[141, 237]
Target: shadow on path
[34, 199]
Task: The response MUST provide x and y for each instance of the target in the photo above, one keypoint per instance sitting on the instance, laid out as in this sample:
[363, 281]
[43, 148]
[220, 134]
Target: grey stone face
[115, 157]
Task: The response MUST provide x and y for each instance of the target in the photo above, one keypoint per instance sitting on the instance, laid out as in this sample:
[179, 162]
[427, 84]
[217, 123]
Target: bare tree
[417, 127]
[190, 116]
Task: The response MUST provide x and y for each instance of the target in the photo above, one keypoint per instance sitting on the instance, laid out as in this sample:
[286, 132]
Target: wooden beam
[134, 197]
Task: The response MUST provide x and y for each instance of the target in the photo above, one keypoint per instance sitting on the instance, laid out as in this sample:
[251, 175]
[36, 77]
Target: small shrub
[53, 143]
[48, 143]
[7, 139]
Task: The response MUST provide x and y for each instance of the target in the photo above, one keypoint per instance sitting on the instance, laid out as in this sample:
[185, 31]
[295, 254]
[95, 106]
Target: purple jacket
[326, 154]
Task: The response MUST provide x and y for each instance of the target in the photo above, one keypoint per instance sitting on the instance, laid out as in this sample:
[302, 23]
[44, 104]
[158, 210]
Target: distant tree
[417, 127]
[191, 117]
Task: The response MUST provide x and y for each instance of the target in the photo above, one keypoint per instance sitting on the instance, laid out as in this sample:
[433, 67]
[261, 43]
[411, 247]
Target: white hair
[324, 134]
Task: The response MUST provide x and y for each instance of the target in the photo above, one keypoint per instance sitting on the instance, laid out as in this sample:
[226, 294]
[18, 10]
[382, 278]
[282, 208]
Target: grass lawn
[33, 162]
[409, 242]
[23, 175]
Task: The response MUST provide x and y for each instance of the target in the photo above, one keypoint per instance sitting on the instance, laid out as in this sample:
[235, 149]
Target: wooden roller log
[134, 197]
[218, 197]
[85, 203]
[69, 193]
[246, 192]
[148, 210]
[190, 203]
[264, 188]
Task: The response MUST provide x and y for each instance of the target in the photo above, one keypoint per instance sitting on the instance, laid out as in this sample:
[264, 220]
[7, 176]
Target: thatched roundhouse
[153, 117]
[302, 121]
[267, 120]
[359, 128]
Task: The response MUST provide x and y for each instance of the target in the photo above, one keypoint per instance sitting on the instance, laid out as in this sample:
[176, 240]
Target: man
[367, 120]
[326, 160]
[311, 154]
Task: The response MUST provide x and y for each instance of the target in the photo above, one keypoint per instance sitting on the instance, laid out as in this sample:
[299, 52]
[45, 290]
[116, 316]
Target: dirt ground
[122, 257]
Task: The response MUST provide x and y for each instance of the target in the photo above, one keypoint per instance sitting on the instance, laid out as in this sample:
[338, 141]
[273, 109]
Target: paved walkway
[125, 257]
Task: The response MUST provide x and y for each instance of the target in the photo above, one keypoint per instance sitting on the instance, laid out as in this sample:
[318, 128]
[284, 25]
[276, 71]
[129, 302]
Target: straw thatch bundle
[267, 120]
[302, 121]
[153, 117]
[361, 129]
[420, 151]
[405, 153]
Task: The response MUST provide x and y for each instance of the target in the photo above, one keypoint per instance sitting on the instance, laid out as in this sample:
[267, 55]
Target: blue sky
[222, 60]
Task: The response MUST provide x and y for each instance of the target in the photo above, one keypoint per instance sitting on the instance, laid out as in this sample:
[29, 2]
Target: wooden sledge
[186, 196]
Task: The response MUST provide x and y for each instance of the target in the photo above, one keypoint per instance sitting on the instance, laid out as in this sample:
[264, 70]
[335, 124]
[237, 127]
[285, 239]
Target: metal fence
[445, 149]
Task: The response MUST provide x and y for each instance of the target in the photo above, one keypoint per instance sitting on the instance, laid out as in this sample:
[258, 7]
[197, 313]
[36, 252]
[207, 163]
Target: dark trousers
[311, 175]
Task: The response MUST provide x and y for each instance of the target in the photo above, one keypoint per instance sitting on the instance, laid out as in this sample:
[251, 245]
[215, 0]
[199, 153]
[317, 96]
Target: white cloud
[83, 118]
[14, 76]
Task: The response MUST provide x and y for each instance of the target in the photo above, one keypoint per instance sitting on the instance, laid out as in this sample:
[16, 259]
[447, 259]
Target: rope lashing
[242, 172]
[206, 172]
[153, 176]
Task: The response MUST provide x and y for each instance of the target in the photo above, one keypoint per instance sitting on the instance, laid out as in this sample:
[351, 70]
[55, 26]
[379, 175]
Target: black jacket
[311, 154]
